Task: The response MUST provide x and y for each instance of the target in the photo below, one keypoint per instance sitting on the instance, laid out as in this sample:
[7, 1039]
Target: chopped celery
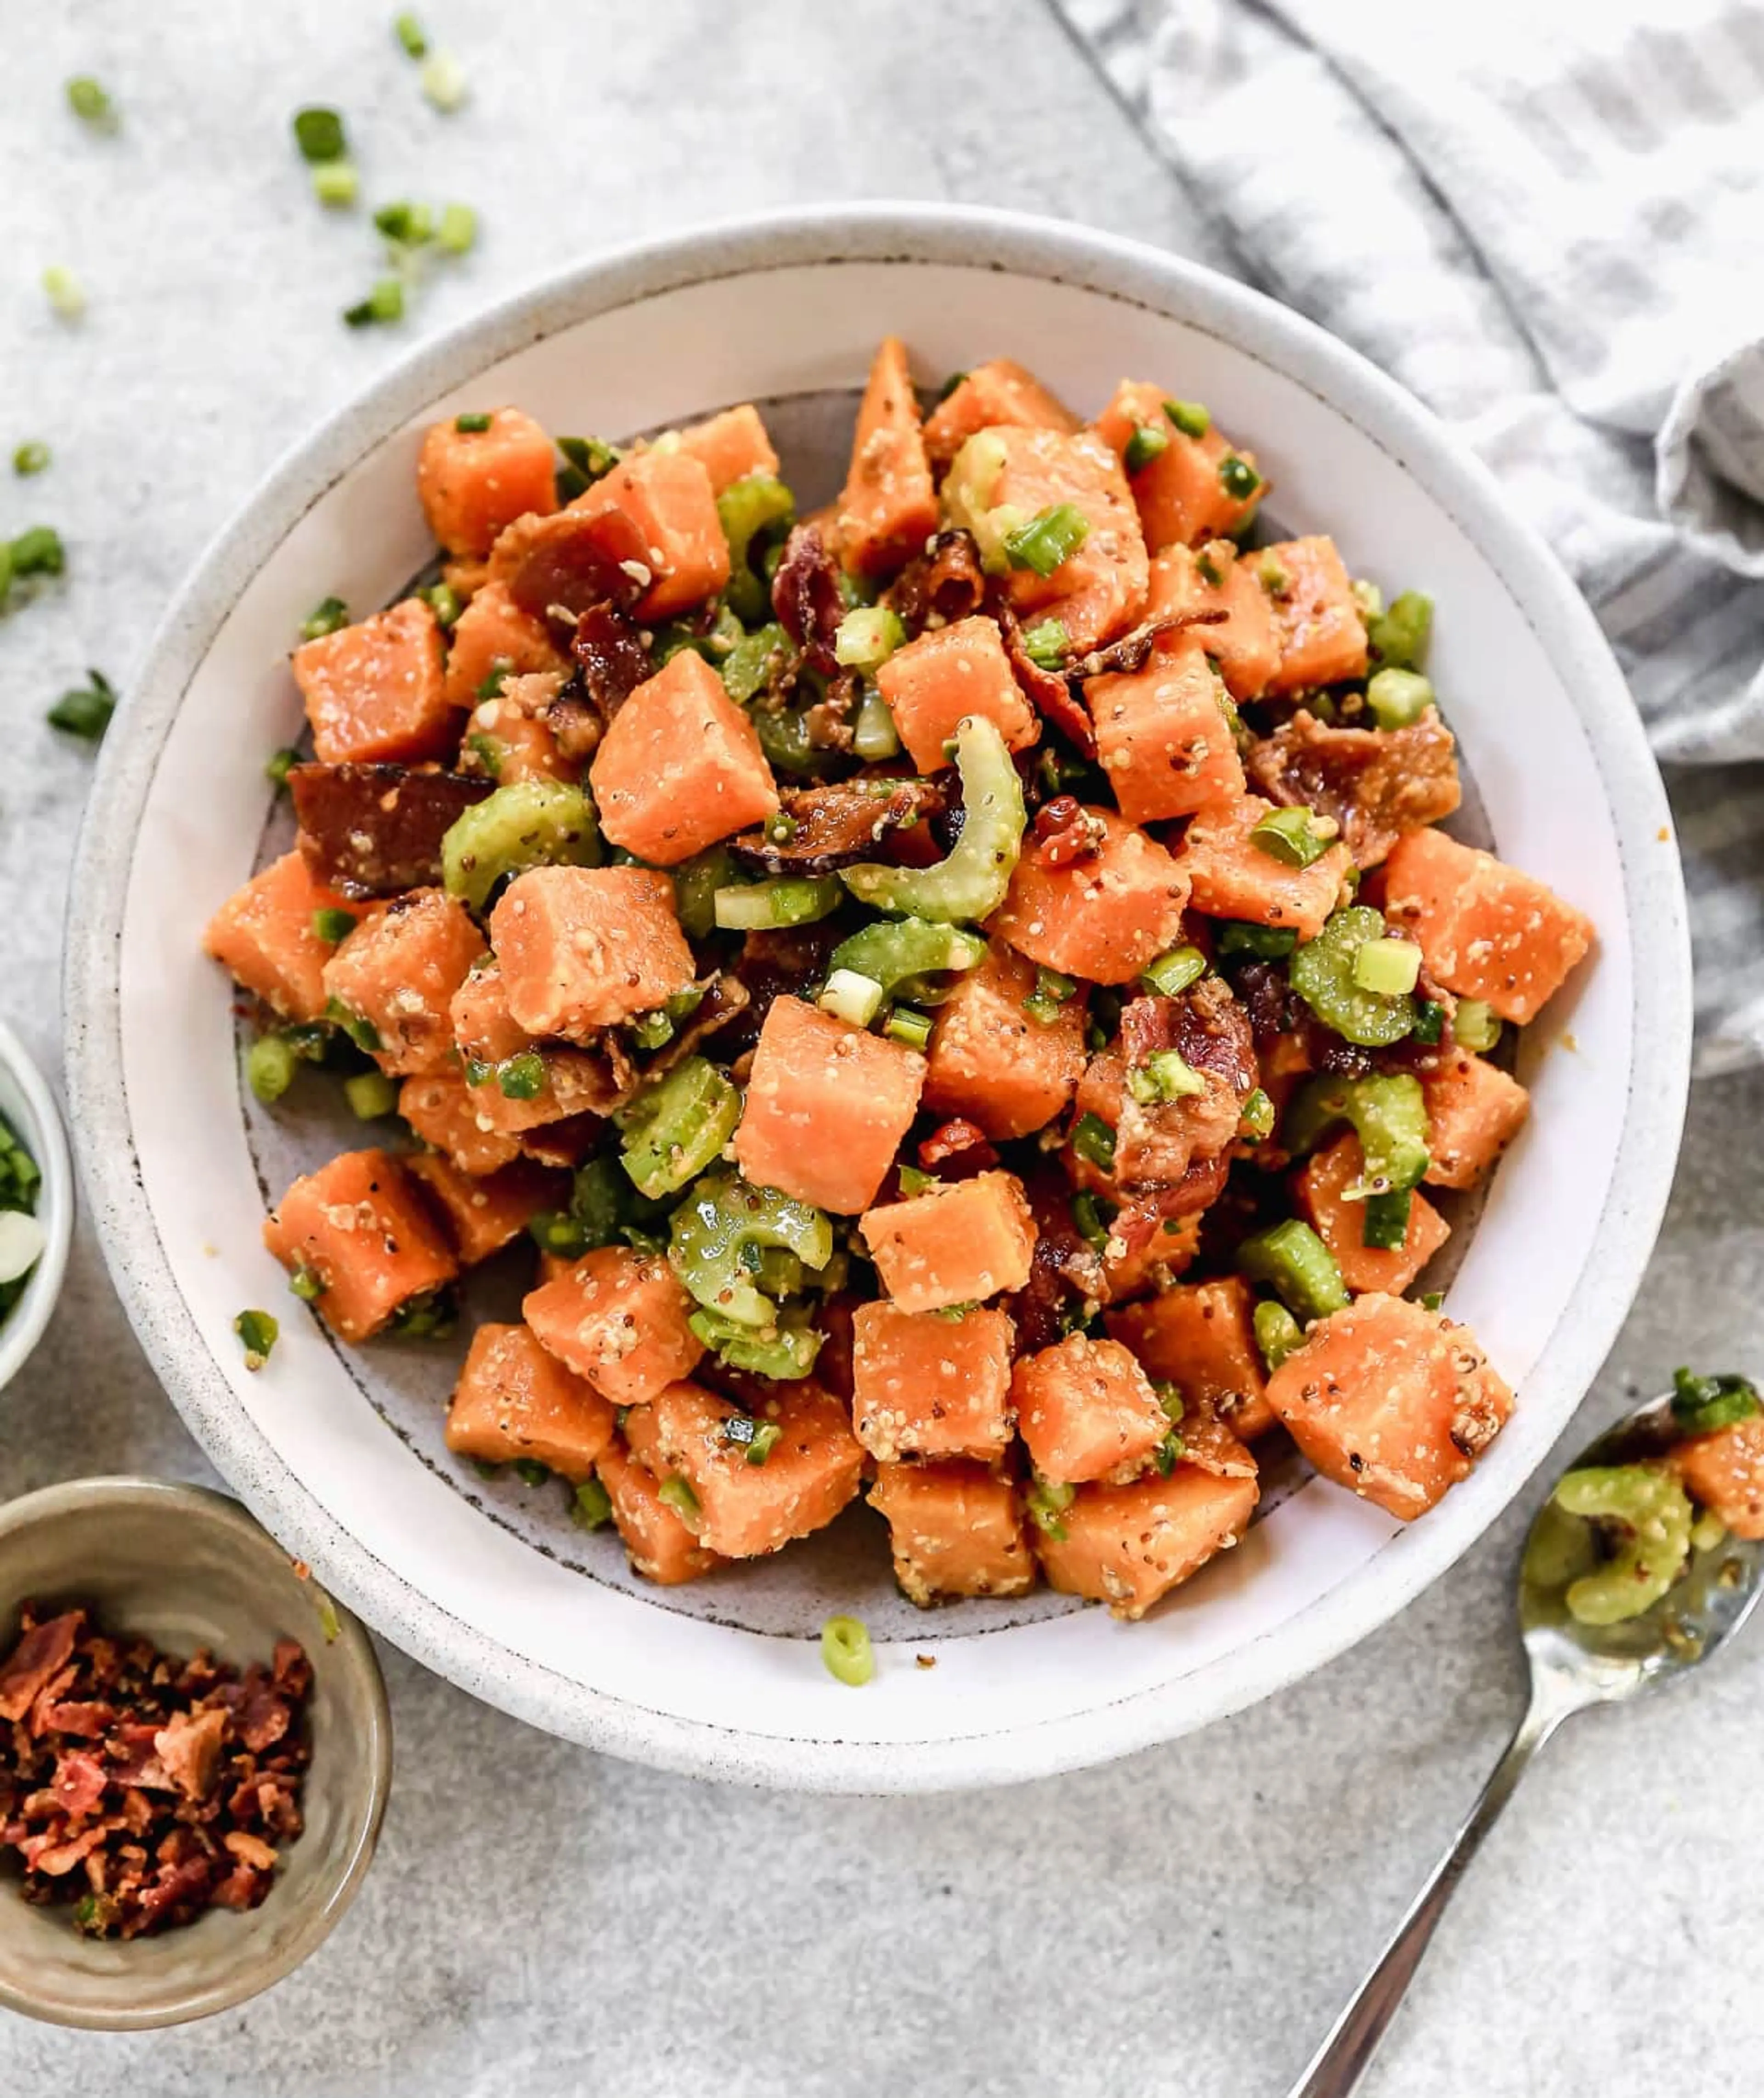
[1295, 1262]
[1048, 540]
[1475, 1027]
[1292, 836]
[1384, 1224]
[1047, 644]
[257, 1332]
[867, 637]
[1164, 1077]
[1399, 698]
[1702, 1404]
[1387, 1110]
[1429, 1021]
[1399, 636]
[1175, 971]
[270, 1065]
[711, 1233]
[1093, 1141]
[592, 1508]
[846, 1650]
[911, 1029]
[778, 1350]
[748, 668]
[762, 906]
[849, 996]
[1322, 973]
[531, 823]
[1278, 1333]
[1651, 1513]
[673, 1129]
[1256, 943]
[751, 509]
[903, 955]
[873, 734]
[724, 637]
[971, 883]
[695, 884]
[1388, 966]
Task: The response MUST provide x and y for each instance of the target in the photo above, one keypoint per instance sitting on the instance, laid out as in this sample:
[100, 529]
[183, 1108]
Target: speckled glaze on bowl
[342, 1456]
[30, 1107]
[190, 1569]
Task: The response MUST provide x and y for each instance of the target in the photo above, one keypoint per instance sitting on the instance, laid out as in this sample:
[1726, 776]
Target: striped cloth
[1547, 220]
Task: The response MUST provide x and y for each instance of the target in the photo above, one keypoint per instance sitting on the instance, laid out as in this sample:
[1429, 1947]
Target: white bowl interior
[341, 1453]
[30, 1110]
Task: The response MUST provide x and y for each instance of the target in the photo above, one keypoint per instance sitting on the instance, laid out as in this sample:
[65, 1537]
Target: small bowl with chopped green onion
[36, 1204]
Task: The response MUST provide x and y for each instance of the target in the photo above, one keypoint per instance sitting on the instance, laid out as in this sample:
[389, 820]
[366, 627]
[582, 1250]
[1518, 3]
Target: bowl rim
[179, 1502]
[47, 1143]
[974, 238]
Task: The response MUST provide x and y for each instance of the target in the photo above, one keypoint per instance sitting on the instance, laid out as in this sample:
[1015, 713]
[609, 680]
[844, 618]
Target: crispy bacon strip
[806, 597]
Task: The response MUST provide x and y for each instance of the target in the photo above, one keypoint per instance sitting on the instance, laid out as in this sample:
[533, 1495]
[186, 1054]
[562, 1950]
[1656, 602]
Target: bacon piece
[959, 1149]
[1376, 784]
[610, 656]
[806, 597]
[946, 582]
[838, 826]
[1133, 651]
[79, 1784]
[1046, 690]
[1065, 1272]
[189, 1747]
[376, 830]
[557, 567]
[41, 1654]
[1158, 1142]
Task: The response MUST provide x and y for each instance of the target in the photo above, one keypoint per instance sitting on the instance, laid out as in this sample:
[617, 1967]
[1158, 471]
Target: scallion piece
[1399, 698]
[331, 925]
[409, 32]
[1260, 943]
[1384, 1221]
[1389, 966]
[1700, 1405]
[472, 425]
[383, 305]
[1047, 1502]
[85, 712]
[1257, 1119]
[457, 231]
[873, 734]
[38, 552]
[410, 224]
[63, 291]
[852, 997]
[1093, 1141]
[846, 1650]
[1189, 417]
[1164, 1077]
[591, 1508]
[867, 637]
[30, 457]
[444, 601]
[328, 616]
[1175, 971]
[1146, 443]
[522, 1077]
[276, 768]
[1052, 992]
[1475, 1027]
[256, 1332]
[1238, 477]
[371, 1096]
[1293, 836]
[362, 1033]
[88, 102]
[765, 1437]
[1429, 1022]
[319, 135]
[677, 1493]
[443, 82]
[336, 184]
[911, 1028]
[307, 1283]
[1089, 1222]
[269, 1066]
[1398, 638]
[1049, 539]
[1047, 644]
[767, 905]
[531, 1472]
[1278, 1333]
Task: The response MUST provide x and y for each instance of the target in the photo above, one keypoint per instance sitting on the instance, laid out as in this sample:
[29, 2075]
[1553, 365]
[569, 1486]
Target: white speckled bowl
[342, 1456]
[30, 1107]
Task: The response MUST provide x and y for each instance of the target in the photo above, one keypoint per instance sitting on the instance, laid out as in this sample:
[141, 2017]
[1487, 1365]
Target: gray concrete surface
[541, 1921]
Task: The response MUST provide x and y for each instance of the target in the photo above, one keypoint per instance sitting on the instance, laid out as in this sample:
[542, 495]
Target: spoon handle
[1336, 2068]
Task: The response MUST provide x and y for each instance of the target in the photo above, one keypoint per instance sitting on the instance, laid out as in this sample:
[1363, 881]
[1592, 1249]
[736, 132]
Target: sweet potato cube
[376, 692]
[1100, 589]
[992, 396]
[510, 735]
[956, 1530]
[1232, 877]
[1340, 1224]
[1103, 917]
[659, 1545]
[361, 1230]
[472, 483]
[1200, 1337]
[1182, 495]
[264, 935]
[493, 636]
[513, 1399]
[1392, 1401]
[1163, 735]
[1127, 1546]
[958, 1243]
[888, 508]
[1316, 625]
[926, 1385]
[486, 1212]
[827, 1107]
[993, 1063]
[441, 1108]
[397, 974]
[1086, 1410]
[681, 765]
[1487, 930]
[1474, 1111]
[949, 673]
[577, 1082]
[1724, 1472]
[1243, 643]
[730, 446]
[745, 1510]
[583, 948]
[620, 1319]
[667, 498]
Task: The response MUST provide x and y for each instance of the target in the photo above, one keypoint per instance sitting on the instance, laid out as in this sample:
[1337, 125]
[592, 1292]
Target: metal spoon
[1573, 1665]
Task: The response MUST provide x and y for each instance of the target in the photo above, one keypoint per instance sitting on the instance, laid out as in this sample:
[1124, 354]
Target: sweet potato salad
[960, 994]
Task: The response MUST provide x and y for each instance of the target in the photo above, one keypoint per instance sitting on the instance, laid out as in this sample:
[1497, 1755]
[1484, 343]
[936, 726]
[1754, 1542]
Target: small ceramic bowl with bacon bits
[195, 1756]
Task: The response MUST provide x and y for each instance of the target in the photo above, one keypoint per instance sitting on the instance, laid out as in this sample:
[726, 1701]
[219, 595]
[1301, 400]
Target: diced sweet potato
[1232, 877]
[1474, 1111]
[1724, 1472]
[514, 1399]
[1163, 735]
[397, 974]
[1181, 494]
[660, 1546]
[442, 1109]
[926, 1385]
[1316, 625]
[949, 673]
[1391, 1400]
[1243, 643]
[1100, 589]
[1145, 1249]
[1200, 1337]
[827, 1107]
[577, 1082]
[486, 1212]
[360, 1228]
[1128, 1545]
[745, 1510]
[990, 1062]
[375, 692]
[493, 635]
[509, 737]
[888, 508]
[668, 498]
[956, 1530]
[1488, 931]
[583, 948]
[472, 483]
[681, 765]
[730, 446]
[991, 396]
[263, 934]
[619, 1319]
[958, 1243]
[1340, 1224]
[1085, 1410]
[1103, 917]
